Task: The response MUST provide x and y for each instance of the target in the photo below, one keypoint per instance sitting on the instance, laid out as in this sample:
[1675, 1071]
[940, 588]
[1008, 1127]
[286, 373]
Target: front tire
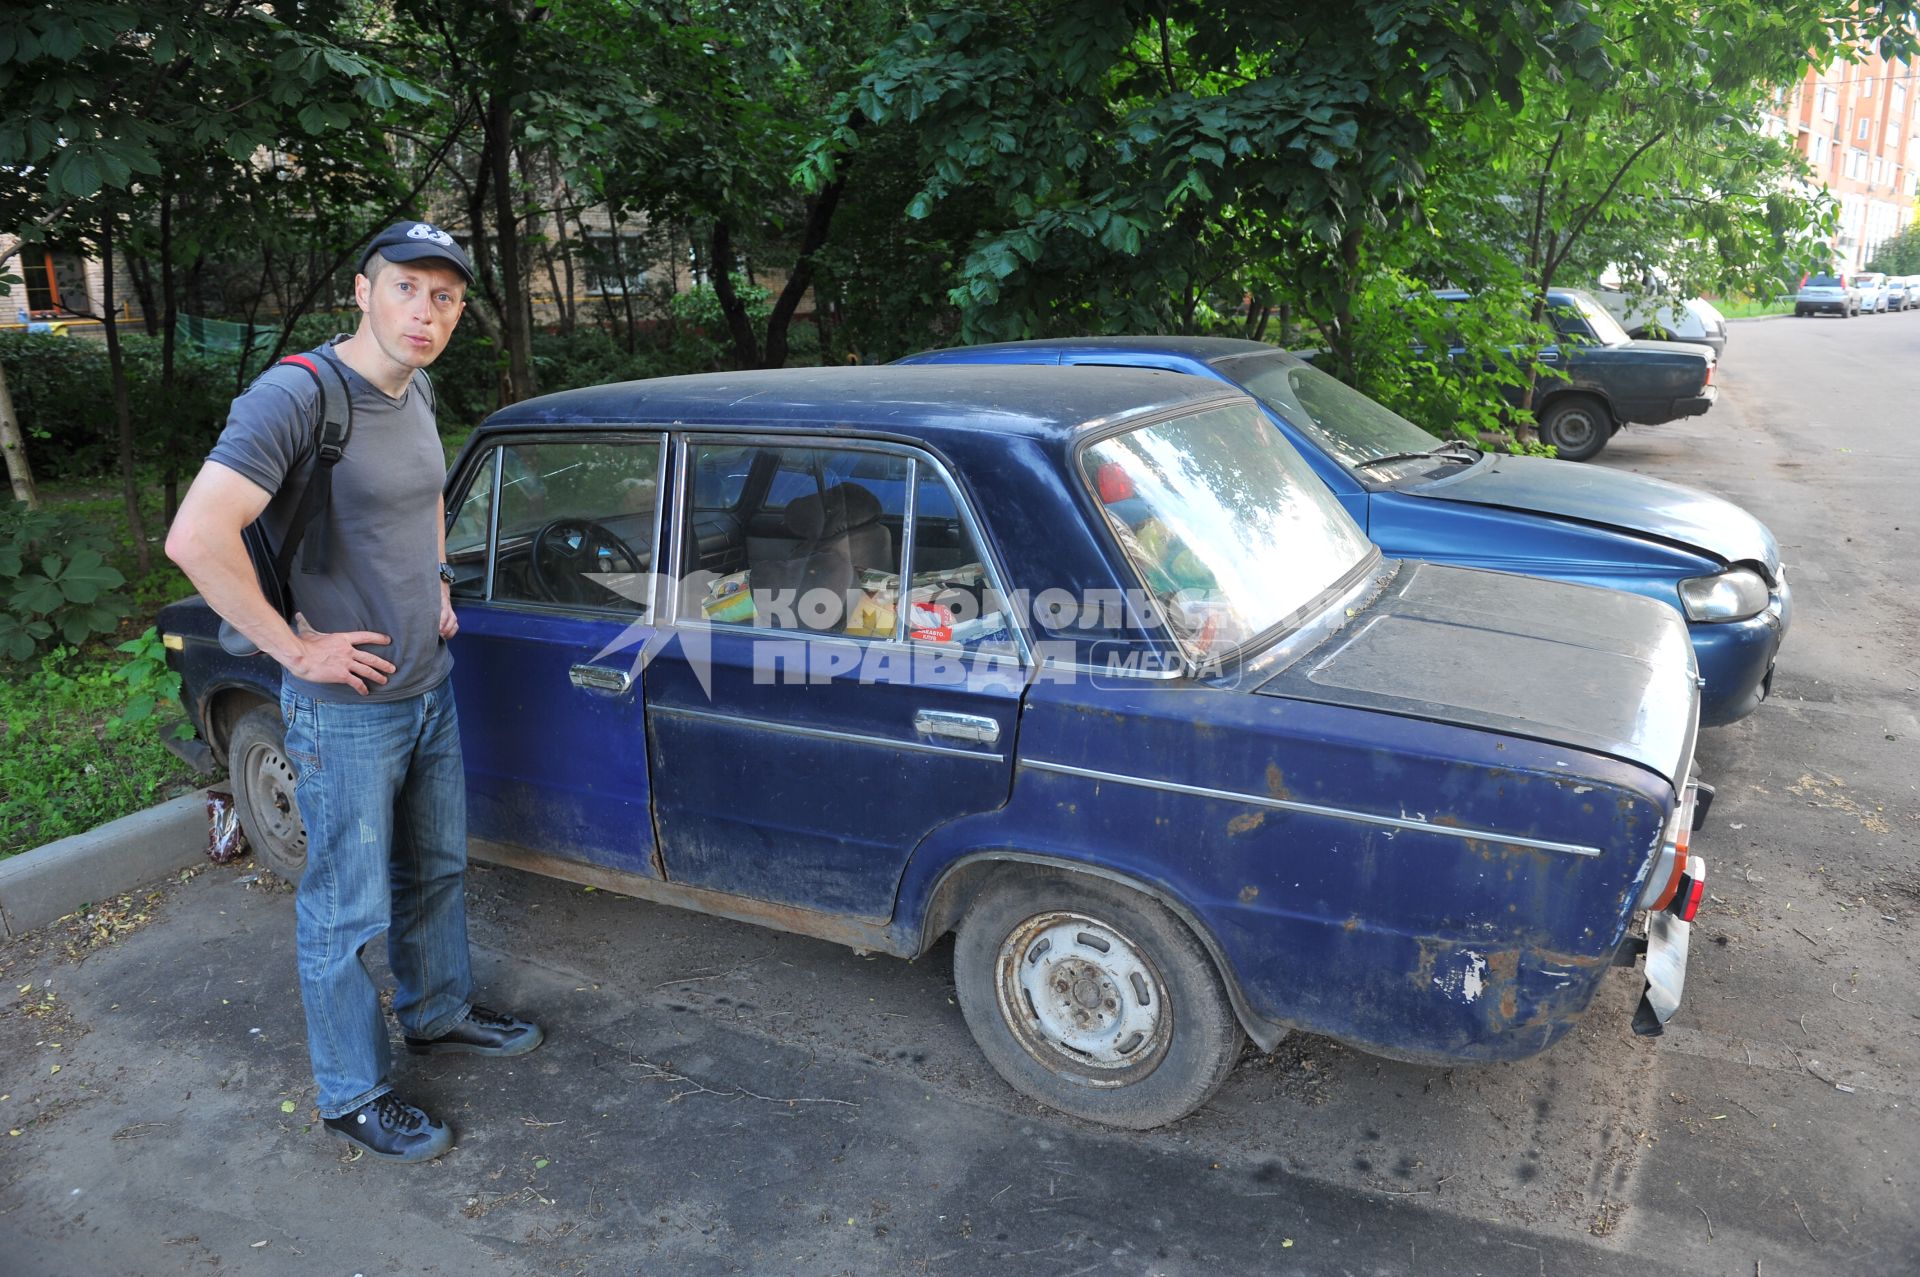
[1093, 999]
[263, 783]
[1577, 426]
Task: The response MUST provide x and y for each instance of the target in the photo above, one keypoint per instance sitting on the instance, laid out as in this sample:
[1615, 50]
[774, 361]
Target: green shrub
[62, 391]
[67, 763]
[54, 579]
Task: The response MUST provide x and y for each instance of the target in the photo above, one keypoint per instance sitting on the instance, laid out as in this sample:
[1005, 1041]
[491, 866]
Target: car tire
[1093, 999]
[1799, 312]
[263, 783]
[1577, 426]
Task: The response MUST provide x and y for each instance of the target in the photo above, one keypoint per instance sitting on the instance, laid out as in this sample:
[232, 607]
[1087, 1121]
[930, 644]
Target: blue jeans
[382, 792]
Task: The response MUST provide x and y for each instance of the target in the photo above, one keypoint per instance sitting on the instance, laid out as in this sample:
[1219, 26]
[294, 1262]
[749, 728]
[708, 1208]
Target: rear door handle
[598, 678]
[973, 728]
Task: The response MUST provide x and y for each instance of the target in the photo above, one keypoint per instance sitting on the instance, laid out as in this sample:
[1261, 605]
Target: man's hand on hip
[337, 658]
[449, 623]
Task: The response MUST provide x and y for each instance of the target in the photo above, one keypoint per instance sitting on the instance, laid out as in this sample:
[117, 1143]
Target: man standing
[365, 690]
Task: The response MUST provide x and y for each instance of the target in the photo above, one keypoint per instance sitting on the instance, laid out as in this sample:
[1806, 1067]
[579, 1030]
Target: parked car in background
[1085, 666]
[1899, 293]
[1826, 294]
[1446, 502]
[1607, 379]
[1873, 292]
[1661, 318]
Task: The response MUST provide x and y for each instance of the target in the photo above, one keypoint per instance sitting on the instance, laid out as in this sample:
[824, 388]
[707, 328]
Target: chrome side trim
[1314, 809]
[1115, 671]
[816, 733]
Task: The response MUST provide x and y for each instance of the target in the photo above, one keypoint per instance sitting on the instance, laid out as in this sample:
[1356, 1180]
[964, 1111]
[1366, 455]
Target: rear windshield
[1824, 281]
[1869, 281]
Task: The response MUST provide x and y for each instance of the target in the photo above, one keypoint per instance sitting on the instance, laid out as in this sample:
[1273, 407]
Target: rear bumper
[1666, 971]
[1815, 305]
[1693, 407]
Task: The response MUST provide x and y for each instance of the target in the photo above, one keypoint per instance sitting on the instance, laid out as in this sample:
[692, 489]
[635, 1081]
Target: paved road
[716, 1098]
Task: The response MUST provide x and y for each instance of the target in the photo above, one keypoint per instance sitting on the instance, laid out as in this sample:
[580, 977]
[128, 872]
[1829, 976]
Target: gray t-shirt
[382, 540]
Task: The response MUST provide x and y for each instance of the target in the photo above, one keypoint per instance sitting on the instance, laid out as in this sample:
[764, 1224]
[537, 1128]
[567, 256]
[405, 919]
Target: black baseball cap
[415, 242]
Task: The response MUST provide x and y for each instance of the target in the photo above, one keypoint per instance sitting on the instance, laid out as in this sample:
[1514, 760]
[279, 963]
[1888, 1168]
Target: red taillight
[1709, 380]
[1683, 821]
[1692, 889]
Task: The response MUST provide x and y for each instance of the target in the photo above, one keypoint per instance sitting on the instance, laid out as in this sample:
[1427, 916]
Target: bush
[62, 390]
[54, 579]
[67, 763]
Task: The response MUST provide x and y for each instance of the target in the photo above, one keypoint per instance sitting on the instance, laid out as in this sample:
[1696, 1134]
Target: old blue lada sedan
[1083, 665]
[1450, 503]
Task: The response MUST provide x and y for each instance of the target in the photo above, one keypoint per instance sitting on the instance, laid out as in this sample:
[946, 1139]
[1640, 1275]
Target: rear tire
[1577, 426]
[263, 782]
[1093, 999]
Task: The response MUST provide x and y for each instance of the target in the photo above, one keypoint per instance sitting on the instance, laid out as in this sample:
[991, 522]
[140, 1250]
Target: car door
[813, 715]
[551, 541]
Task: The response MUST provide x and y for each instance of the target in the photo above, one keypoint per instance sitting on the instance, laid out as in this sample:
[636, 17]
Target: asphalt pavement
[716, 1098]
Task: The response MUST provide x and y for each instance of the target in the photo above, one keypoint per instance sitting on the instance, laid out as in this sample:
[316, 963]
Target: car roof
[932, 402]
[1202, 348]
[1553, 294]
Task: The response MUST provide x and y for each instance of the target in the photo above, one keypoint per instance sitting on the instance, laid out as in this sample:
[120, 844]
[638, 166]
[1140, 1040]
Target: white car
[1873, 292]
[1666, 318]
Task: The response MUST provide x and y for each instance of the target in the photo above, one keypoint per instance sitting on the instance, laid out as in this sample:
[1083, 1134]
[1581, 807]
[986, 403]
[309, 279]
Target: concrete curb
[53, 880]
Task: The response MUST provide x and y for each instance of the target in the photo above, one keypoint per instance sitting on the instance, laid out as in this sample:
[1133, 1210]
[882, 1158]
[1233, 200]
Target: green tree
[103, 102]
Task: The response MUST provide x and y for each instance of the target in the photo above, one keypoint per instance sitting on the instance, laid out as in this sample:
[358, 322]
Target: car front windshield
[1228, 528]
[1339, 418]
[1604, 325]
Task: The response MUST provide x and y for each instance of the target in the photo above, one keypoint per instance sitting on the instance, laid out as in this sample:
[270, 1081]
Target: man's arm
[205, 541]
[449, 623]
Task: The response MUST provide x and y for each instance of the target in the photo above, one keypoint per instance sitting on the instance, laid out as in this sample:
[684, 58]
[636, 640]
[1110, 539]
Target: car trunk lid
[1592, 669]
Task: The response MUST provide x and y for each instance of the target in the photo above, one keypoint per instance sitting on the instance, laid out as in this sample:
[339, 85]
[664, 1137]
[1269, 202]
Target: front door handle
[972, 728]
[598, 678]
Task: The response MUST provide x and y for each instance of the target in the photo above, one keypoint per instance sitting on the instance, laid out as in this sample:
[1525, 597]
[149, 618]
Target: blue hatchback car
[1450, 503]
[1085, 667]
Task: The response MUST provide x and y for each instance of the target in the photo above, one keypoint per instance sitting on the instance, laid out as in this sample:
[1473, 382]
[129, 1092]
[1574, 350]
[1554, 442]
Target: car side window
[467, 538]
[577, 522]
[950, 601]
[794, 556]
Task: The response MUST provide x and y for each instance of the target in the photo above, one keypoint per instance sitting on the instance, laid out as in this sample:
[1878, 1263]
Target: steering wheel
[569, 550]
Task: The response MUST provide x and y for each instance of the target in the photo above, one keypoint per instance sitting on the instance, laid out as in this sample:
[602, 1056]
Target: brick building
[1859, 127]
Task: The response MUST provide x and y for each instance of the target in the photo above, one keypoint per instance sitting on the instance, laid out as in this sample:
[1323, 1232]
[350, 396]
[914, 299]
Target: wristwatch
[446, 573]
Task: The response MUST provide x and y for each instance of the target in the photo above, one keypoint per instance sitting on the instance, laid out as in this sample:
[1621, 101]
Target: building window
[56, 281]
[1899, 103]
[1856, 162]
[1860, 133]
[615, 264]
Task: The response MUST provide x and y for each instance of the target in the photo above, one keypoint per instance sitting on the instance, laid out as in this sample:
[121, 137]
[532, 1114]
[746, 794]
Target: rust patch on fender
[1249, 894]
[1277, 784]
[1247, 821]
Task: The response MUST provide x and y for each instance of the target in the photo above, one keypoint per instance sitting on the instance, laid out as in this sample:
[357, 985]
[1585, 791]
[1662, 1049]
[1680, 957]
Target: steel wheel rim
[270, 798]
[1574, 430]
[1083, 999]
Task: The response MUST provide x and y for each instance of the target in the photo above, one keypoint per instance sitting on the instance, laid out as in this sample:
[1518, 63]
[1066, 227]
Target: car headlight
[1733, 595]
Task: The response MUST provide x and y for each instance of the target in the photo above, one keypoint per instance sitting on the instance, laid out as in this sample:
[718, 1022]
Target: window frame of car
[1259, 645]
[681, 443]
[490, 451]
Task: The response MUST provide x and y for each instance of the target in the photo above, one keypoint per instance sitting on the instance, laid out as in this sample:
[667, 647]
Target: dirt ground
[715, 1098]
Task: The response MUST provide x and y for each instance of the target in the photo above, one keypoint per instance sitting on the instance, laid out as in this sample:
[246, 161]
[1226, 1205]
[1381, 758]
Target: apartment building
[1859, 127]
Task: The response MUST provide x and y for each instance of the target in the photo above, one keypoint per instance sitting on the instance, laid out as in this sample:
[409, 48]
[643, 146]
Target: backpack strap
[330, 444]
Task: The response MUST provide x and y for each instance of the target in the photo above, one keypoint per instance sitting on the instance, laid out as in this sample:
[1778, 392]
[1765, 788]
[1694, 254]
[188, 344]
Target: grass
[1748, 308]
[66, 761]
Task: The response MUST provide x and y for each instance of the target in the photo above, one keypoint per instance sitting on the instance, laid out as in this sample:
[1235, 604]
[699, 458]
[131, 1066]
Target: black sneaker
[391, 1128]
[483, 1032]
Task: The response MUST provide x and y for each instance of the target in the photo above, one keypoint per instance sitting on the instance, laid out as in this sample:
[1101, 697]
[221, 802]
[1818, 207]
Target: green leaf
[87, 575]
[286, 1106]
[37, 596]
